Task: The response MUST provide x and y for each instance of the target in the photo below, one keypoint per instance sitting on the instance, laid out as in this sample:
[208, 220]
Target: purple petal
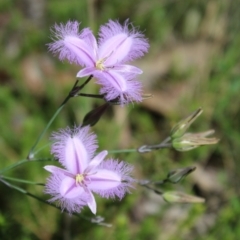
[57, 170]
[76, 155]
[79, 50]
[70, 204]
[128, 69]
[90, 41]
[86, 72]
[74, 148]
[119, 85]
[53, 169]
[69, 189]
[104, 180]
[72, 45]
[92, 203]
[115, 49]
[114, 79]
[112, 179]
[96, 161]
[132, 42]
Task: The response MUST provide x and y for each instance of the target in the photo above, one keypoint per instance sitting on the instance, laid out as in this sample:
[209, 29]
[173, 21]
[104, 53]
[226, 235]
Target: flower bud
[177, 175]
[179, 197]
[94, 115]
[180, 128]
[147, 96]
[190, 141]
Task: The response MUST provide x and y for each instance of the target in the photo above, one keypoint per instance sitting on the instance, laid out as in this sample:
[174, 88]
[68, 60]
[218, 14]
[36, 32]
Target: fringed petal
[113, 178]
[119, 85]
[53, 188]
[76, 155]
[115, 49]
[67, 150]
[76, 47]
[104, 180]
[133, 42]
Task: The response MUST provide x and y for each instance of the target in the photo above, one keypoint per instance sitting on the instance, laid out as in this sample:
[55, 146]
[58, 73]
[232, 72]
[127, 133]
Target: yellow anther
[99, 64]
[79, 178]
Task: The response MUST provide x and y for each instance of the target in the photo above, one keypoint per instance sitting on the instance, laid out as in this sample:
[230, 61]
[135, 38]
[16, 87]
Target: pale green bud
[180, 128]
[179, 197]
[190, 141]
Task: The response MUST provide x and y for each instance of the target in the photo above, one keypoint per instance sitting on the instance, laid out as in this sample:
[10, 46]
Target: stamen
[79, 179]
[100, 65]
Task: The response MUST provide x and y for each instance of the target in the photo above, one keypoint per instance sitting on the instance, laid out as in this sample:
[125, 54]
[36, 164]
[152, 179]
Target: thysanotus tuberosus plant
[84, 170]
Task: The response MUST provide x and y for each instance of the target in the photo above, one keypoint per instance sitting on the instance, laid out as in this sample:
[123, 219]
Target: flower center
[79, 179]
[100, 65]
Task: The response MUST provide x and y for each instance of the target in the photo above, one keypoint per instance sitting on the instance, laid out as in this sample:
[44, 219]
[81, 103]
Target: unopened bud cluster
[182, 141]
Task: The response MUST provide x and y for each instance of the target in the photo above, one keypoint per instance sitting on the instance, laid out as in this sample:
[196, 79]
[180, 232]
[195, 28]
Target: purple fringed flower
[84, 173]
[105, 59]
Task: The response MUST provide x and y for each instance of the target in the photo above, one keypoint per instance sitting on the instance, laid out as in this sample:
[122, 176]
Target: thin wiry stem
[74, 91]
[90, 95]
[21, 180]
[145, 148]
[10, 167]
[97, 220]
[123, 151]
[148, 148]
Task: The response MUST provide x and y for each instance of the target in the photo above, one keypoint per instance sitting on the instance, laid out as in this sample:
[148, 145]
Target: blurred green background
[194, 61]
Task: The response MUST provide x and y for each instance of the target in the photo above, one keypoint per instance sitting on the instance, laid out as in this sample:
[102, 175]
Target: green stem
[31, 153]
[51, 204]
[145, 148]
[123, 151]
[157, 191]
[21, 180]
[148, 148]
[22, 162]
[74, 91]
[90, 95]
[86, 82]
[41, 148]
[13, 186]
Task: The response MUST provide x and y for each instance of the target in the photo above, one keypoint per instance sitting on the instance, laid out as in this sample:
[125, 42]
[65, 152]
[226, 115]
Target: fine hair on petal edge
[140, 43]
[123, 169]
[70, 205]
[60, 138]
